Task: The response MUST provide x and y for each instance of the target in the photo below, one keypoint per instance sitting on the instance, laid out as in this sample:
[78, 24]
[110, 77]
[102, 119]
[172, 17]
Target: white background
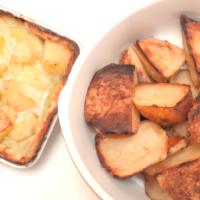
[54, 177]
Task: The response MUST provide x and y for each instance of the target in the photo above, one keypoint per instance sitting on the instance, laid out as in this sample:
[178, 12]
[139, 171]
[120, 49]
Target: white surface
[54, 176]
[160, 20]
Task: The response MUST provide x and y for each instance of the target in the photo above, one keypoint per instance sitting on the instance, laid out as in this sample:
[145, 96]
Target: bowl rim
[65, 99]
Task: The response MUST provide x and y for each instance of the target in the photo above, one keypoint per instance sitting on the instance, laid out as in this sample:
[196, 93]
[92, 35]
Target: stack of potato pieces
[146, 112]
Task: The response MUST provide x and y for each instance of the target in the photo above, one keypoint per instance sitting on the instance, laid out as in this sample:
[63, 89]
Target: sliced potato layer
[161, 59]
[125, 156]
[166, 104]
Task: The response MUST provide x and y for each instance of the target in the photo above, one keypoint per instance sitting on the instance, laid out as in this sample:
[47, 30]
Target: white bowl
[161, 20]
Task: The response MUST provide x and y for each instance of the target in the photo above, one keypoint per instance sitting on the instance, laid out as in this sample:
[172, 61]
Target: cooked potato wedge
[194, 121]
[182, 182]
[182, 130]
[167, 104]
[183, 77]
[124, 156]
[153, 189]
[190, 153]
[108, 104]
[176, 143]
[191, 41]
[130, 57]
[161, 59]
[5, 125]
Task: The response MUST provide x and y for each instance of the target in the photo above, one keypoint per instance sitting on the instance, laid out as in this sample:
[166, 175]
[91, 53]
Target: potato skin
[194, 121]
[168, 116]
[108, 105]
[190, 55]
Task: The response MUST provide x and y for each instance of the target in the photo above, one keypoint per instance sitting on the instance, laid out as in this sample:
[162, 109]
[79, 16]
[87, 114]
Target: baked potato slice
[125, 155]
[182, 182]
[161, 59]
[108, 104]
[183, 77]
[190, 153]
[130, 57]
[167, 104]
[6, 125]
[153, 189]
[194, 121]
[191, 42]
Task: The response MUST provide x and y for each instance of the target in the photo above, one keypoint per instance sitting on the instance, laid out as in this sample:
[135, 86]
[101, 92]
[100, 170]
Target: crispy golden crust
[167, 116]
[183, 182]
[108, 106]
[41, 134]
[194, 121]
[190, 29]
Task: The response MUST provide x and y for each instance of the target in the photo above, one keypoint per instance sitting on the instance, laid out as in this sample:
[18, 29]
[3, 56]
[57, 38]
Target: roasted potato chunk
[108, 104]
[194, 121]
[153, 189]
[183, 77]
[166, 104]
[182, 130]
[190, 153]
[124, 156]
[161, 59]
[130, 57]
[5, 125]
[182, 182]
[191, 40]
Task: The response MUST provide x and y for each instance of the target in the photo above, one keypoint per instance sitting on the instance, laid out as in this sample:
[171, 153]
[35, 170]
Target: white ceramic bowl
[161, 20]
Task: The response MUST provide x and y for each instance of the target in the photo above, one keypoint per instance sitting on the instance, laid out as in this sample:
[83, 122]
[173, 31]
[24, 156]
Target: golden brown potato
[182, 182]
[167, 104]
[182, 130]
[191, 40]
[161, 59]
[190, 153]
[129, 57]
[5, 125]
[183, 77]
[176, 143]
[153, 189]
[126, 155]
[108, 104]
[194, 121]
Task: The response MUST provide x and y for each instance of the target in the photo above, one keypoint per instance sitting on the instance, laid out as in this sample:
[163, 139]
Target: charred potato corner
[145, 112]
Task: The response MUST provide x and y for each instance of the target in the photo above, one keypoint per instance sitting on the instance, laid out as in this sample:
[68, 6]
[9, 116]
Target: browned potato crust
[153, 189]
[183, 77]
[182, 182]
[108, 104]
[130, 57]
[123, 156]
[192, 152]
[194, 121]
[190, 36]
[161, 59]
[166, 104]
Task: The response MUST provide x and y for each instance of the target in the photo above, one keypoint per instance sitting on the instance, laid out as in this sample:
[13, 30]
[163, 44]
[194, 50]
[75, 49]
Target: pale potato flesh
[162, 94]
[130, 57]
[164, 56]
[153, 189]
[190, 153]
[127, 155]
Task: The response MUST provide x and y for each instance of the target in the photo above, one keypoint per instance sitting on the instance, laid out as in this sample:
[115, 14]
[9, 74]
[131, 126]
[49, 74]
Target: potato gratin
[34, 65]
[146, 112]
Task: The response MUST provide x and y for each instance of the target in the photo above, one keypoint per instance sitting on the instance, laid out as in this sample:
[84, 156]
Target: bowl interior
[160, 20]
